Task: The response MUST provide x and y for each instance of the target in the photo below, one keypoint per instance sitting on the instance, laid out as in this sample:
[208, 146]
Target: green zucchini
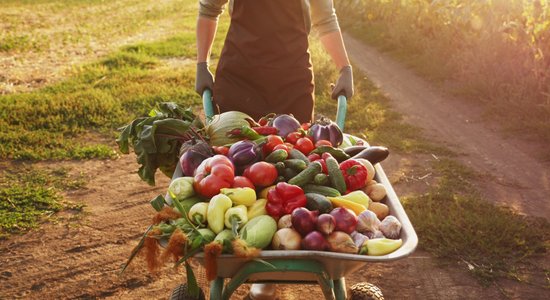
[276, 156]
[296, 154]
[296, 164]
[318, 202]
[323, 190]
[335, 176]
[280, 166]
[307, 174]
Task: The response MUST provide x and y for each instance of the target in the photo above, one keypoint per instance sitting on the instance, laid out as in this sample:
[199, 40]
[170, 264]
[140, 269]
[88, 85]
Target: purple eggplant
[374, 154]
[193, 154]
[285, 124]
[325, 129]
[243, 153]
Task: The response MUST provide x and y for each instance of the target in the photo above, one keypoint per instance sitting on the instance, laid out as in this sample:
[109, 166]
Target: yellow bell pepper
[240, 196]
[257, 209]
[263, 193]
[358, 196]
[215, 215]
[341, 202]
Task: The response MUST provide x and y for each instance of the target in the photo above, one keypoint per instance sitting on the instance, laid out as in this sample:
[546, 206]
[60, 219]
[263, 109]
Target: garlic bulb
[390, 227]
[367, 221]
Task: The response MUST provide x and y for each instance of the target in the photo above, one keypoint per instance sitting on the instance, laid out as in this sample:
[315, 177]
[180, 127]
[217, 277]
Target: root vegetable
[346, 219]
[284, 222]
[367, 221]
[380, 209]
[376, 191]
[286, 239]
[326, 224]
[314, 241]
[342, 242]
[303, 220]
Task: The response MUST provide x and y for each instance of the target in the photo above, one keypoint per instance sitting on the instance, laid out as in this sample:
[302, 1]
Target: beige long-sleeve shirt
[319, 15]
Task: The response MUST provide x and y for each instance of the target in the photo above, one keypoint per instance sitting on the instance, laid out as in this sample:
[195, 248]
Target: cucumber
[323, 190]
[320, 179]
[288, 173]
[307, 175]
[318, 202]
[295, 164]
[280, 166]
[276, 156]
[296, 154]
[335, 176]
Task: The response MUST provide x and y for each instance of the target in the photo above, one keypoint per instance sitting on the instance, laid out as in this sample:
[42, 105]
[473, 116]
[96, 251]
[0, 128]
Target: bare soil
[81, 258]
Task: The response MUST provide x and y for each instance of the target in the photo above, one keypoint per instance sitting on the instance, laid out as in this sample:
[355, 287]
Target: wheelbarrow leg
[340, 288]
[216, 287]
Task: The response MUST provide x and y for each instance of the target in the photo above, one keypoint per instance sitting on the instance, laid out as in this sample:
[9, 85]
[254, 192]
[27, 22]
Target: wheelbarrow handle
[341, 111]
[208, 106]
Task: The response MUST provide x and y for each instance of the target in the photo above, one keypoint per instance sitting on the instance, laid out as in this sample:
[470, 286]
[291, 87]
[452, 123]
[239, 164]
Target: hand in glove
[204, 79]
[344, 85]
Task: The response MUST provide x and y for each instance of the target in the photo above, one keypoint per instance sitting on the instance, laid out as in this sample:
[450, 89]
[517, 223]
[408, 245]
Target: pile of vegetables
[250, 185]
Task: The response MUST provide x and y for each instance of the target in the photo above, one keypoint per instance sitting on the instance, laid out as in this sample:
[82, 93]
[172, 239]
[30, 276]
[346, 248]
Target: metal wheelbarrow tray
[328, 269]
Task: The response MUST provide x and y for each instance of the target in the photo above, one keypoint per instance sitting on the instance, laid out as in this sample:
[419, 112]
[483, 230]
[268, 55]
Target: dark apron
[265, 64]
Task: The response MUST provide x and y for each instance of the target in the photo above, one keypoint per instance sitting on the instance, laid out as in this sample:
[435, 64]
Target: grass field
[77, 118]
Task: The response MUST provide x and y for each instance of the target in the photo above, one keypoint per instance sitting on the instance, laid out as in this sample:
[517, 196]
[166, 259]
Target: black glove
[344, 85]
[204, 79]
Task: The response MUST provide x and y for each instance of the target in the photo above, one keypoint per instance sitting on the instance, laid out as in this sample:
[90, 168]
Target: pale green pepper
[236, 216]
[257, 209]
[240, 196]
[380, 246]
[198, 213]
[215, 215]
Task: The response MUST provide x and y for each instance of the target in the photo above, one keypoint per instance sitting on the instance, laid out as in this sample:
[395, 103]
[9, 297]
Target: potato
[376, 191]
[380, 209]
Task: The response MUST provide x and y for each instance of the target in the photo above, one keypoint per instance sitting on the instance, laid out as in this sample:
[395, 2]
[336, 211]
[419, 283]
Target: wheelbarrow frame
[328, 269]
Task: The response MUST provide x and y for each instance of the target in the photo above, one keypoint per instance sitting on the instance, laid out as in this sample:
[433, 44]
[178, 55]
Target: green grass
[454, 222]
[30, 194]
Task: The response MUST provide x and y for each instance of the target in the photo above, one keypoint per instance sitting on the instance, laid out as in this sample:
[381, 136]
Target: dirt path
[512, 173]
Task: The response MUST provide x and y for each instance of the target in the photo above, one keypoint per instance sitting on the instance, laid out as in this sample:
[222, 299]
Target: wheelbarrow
[327, 269]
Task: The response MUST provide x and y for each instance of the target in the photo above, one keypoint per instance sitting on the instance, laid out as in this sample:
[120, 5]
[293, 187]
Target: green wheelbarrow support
[332, 289]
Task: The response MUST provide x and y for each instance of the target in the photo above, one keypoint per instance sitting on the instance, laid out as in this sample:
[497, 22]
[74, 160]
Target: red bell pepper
[355, 174]
[213, 174]
[284, 198]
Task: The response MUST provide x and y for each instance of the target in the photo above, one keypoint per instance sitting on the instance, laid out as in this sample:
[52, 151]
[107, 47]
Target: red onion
[303, 220]
[346, 219]
[326, 224]
[314, 241]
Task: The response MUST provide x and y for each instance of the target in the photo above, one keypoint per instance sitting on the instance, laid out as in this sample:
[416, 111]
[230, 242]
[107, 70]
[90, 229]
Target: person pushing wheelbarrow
[265, 65]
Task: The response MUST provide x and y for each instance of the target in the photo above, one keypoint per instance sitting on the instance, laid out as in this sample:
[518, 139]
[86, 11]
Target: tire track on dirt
[511, 174]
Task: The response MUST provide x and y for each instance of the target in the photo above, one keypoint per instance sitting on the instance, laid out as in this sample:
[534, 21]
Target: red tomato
[305, 145]
[289, 146]
[313, 157]
[293, 137]
[281, 146]
[305, 126]
[261, 174]
[272, 141]
[323, 143]
[213, 174]
[241, 181]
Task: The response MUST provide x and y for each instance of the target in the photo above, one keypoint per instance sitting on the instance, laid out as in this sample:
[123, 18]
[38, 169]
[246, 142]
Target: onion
[193, 155]
[303, 220]
[314, 241]
[285, 124]
[284, 222]
[346, 220]
[326, 224]
[339, 241]
[286, 239]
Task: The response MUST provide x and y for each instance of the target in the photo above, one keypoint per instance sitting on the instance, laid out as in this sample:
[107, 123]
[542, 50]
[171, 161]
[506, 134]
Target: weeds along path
[511, 172]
